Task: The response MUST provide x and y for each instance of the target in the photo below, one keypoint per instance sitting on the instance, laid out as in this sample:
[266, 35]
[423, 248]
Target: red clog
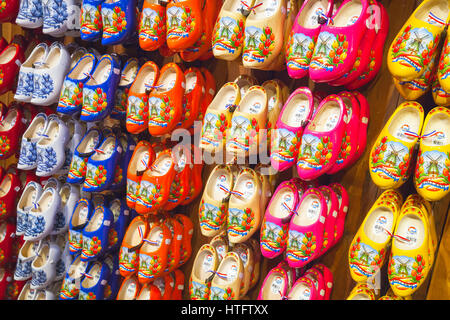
[11, 59]
[7, 237]
[12, 126]
[10, 188]
[9, 10]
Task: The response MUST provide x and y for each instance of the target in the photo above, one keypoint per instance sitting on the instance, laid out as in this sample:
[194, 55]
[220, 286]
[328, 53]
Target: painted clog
[213, 207]
[76, 133]
[56, 16]
[129, 289]
[249, 118]
[217, 119]
[25, 83]
[12, 127]
[101, 166]
[49, 75]
[96, 233]
[70, 195]
[132, 242]
[30, 14]
[43, 266]
[331, 219]
[118, 21]
[274, 229]
[188, 231]
[95, 280]
[75, 275]
[433, 160]
[391, 155]
[264, 35]
[85, 149]
[205, 264]
[80, 217]
[180, 187]
[10, 59]
[91, 20]
[99, 91]
[71, 99]
[27, 254]
[142, 158]
[306, 229]
[226, 283]
[195, 89]
[184, 24]
[289, 127]
[166, 100]
[50, 148]
[120, 176]
[418, 39]
[367, 252]
[275, 285]
[9, 11]
[152, 26]
[303, 38]
[343, 202]
[322, 139]
[31, 193]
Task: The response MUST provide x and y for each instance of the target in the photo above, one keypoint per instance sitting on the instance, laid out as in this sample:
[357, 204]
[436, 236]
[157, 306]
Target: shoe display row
[286, 283]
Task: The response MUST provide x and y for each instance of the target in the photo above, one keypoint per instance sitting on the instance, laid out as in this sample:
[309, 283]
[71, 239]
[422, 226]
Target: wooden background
[383, 99]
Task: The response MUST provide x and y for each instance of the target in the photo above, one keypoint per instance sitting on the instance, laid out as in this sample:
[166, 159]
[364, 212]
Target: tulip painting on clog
[119, 21]
[258, 44]
[330, 51]
[91, 20]
[299, 53]
[228, 36]
[152, 26]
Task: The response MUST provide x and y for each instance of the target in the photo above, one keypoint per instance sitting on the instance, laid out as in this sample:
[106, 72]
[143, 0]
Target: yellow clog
[432, 175]
[362, 292]
[418, 40]
[390, 158]
[367, 252]
[205, 264]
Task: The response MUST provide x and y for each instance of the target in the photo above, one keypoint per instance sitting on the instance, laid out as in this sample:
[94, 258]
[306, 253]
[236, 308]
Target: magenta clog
[305, 237]
[275, 285]
[376, 53]
[274, 228]
[343, 201]
[303, 289]
[364, 115]
[303, 37]
[319, 282]
[338, 42]
[289, 128]
[349, 143]
[322, 139]
[328, 279]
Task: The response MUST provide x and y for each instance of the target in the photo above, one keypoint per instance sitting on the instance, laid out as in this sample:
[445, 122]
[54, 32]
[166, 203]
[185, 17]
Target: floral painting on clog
[330, 51]
[132, 190]
[75, 241]
[160, 111]
[243, 132]
[137, 110]
[78, 167]
[46, 159]
[94, 102]
[149, 194]
[228, 35]
[300, 246]
[314, 152]
[71, 99]
[300, 51]
[240, 222]
[284, 146]
[5, 146]
[43, 86]
[214, 129]
[444, 63]
[30, 10]
[414, 48]
[405, 273]
[433, 170]
[212, 218]
[128, 261]
[95, 176]
[91, 19]
[149, 266]
[390, 160]
[273, 237]
[364, 260]
[114, 22]
[152, 27]
[69, 290]
[179, 22]
[259, 44]
[91, 247]
[221, 294]
[198, 291]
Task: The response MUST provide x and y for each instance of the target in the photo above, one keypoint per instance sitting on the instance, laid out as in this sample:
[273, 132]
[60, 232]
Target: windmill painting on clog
[418, 40]
[91, 20]
[258, 44]
[152, 26]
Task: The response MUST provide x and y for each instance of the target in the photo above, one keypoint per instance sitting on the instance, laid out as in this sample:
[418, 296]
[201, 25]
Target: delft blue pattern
[67, 160]
[25, 85]
[28, 154]
[46, 159]
[60, 268]
[23, 270]
[55, 14]
[30, 10]
[38, 278]
[36, 226]
[22, 221]
[60, 221]
[43, 86]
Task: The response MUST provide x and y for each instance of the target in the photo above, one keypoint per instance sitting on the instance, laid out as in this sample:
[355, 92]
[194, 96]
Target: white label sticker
[277, 285]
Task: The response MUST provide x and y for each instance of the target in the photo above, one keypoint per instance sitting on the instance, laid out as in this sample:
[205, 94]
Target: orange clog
[195, 90]
[188, 231]
[152, 26]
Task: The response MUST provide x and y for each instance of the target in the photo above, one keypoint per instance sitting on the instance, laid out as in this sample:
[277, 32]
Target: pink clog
[343, 201]
[328, 279]
[322, 138]
[319, 282]
[349, 143]
[274, 229]
[376, 53]
[306, 229]
[289, 129]
[275, 285]
[303, 289]
[330, 222]
[338, 42]
[303, 37]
